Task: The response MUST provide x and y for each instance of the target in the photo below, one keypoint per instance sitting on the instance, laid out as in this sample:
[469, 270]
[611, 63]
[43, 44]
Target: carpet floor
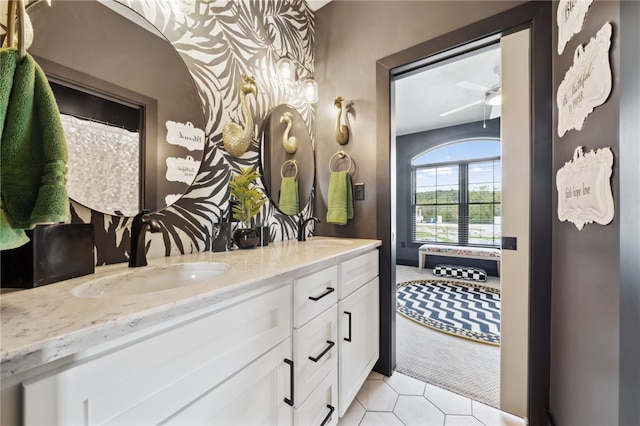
[459, 365]
[468, 310]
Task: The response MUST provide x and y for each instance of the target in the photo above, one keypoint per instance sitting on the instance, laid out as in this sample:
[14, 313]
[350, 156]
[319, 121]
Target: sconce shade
[310, 90]
[286, 69]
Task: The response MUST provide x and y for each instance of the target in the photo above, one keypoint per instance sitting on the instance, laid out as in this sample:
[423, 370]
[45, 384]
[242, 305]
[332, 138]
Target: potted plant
[248, 201]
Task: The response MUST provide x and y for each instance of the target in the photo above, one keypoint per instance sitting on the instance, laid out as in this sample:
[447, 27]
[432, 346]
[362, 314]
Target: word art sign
[584, 188]
[569, 18]
[184, 134]
[182, 169]
[587, 84]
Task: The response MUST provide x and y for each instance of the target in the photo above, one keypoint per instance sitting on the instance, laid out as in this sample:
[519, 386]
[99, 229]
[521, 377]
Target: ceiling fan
[492, 96]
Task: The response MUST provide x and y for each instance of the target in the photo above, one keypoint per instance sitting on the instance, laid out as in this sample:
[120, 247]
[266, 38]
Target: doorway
[535, 16]
[460, 185]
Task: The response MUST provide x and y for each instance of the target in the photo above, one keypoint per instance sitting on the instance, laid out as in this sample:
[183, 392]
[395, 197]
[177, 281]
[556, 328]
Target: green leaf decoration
[248, 196]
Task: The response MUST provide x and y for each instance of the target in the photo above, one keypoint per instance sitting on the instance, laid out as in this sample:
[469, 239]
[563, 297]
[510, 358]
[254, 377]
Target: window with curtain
[456, 194]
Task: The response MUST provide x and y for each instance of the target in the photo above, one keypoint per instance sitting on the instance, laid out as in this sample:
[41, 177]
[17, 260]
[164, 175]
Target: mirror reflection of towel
[289, 203]
[33, 150]
[340, 198]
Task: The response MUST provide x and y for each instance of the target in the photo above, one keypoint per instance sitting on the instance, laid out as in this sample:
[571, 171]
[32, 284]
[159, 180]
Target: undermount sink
[320, 241]
[151, 279]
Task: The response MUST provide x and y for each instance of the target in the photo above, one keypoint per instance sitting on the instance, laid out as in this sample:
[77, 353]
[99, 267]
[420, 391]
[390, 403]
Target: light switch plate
[359, 191]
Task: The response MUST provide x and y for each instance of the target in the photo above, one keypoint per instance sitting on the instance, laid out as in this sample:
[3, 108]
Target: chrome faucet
[138, 252]
[302, 225]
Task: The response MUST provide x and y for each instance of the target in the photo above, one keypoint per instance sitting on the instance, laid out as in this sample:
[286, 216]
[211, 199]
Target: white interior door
[514, 273]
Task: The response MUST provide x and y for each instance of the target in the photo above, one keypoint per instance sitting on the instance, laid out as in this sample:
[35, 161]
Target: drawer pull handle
[348, 339]
[326, 293]
[287, 400]
[331, 410]
[327, 349]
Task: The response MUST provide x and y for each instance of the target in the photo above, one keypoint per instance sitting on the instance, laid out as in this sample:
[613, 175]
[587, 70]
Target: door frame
[536, 16]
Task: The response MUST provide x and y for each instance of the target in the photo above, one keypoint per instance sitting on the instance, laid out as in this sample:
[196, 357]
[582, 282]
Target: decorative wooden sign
[584, 188]
[587, 84]
[569, 18]
[184, 134]
[182, 169]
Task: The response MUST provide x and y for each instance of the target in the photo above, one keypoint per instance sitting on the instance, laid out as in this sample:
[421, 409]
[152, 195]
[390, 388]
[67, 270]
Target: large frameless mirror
[130, 108]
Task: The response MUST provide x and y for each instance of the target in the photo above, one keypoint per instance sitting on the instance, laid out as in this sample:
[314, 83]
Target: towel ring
[340, 154]
[16, 12]
[295, 165]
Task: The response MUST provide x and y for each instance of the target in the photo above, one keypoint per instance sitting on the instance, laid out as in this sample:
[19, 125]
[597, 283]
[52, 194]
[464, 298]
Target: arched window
[456, 192]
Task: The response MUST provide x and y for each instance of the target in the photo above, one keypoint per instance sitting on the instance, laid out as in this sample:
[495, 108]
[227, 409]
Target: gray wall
[586, 293]
[350, 37]
[629, 214]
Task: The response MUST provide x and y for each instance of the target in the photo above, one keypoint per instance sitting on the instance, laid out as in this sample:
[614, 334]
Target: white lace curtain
[104, 165]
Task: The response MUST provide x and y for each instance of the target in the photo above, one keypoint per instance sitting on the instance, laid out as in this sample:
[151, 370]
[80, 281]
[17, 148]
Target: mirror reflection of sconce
[236, 139]
[307, 89]
[342, 130]
[290, 143]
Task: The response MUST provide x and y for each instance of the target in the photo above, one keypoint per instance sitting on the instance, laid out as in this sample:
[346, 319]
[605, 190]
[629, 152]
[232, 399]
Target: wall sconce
[307, 89]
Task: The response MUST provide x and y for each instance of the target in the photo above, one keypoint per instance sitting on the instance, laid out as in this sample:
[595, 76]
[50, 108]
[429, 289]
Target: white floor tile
[353, 416]
[376, 395]
[417, 411]
[462, 421]
[448, 402]
[405, 385]
[494, 417]
[373, 418]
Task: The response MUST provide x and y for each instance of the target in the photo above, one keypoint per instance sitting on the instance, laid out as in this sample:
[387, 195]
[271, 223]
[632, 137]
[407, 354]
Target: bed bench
[482, 253]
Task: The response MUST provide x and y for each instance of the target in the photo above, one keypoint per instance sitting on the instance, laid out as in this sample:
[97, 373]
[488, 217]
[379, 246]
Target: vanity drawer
[152, 379]
[356, 272]
[315, 352]
[321, 408]
[313, 294]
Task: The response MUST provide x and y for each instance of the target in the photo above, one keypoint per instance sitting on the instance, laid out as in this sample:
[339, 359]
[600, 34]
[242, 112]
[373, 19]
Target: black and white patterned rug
[463, 309]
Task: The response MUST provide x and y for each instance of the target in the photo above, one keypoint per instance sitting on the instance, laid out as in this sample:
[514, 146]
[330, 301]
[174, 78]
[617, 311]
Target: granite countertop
[48, 323]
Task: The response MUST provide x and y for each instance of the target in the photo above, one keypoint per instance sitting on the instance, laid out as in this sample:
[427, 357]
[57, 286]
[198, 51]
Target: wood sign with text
[584, 188]
[587, 84]
[569, 18]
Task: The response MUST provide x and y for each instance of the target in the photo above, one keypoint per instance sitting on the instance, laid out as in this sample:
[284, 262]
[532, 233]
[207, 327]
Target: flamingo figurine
[237, 140]
[290, 143]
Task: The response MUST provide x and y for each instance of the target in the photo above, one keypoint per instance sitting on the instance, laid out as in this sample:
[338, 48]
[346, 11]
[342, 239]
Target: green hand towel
[288, 203]
[340, 198]
[33, 150]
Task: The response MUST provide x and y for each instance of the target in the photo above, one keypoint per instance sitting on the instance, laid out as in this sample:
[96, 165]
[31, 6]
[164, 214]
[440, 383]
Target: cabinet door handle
[326, 293]
[348, 339]
[316, 359]
[287, 400]
[331, 410]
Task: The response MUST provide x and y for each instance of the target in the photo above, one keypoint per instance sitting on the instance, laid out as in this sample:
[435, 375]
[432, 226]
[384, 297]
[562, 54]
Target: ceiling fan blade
[496, 111]
[471, 86]
[469, 105]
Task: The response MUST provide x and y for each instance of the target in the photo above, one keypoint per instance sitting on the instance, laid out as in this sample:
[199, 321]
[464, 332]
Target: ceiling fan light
[494, 98]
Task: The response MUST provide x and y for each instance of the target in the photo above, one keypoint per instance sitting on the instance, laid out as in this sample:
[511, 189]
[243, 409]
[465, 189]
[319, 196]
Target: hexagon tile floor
[402, 400]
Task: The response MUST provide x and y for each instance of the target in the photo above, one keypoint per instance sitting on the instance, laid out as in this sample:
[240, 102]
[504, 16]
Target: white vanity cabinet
[358, 322]
[315, 349]
[336, 317]
[227, 367]
[270, 344]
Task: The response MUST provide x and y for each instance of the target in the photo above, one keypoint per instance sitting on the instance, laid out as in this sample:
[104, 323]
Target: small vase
[246, 238]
